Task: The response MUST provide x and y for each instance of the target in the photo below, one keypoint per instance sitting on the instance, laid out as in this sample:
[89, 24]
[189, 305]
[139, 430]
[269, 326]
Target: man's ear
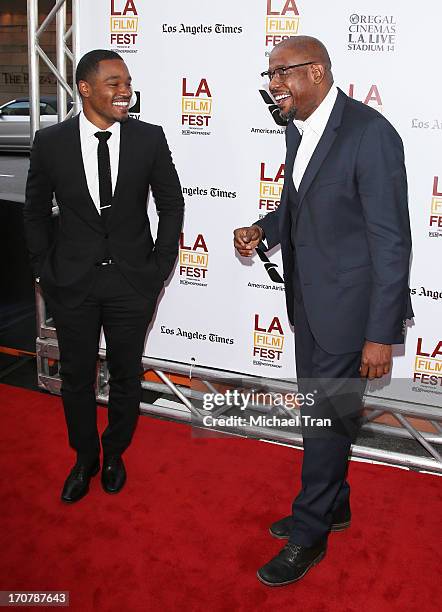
[84, 89]
[318, 72]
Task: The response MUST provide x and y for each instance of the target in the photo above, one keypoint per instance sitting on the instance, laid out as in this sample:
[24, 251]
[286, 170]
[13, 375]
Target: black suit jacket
[348, 230]
[67, 264]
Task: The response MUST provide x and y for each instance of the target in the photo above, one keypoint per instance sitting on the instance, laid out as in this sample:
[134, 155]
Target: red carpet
[189, 530]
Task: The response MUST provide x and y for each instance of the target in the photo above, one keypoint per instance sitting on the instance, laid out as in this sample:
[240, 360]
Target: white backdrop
[196, 67]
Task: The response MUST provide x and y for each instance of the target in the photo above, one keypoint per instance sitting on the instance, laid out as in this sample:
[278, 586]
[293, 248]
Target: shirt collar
[89, 129]
[318, 119]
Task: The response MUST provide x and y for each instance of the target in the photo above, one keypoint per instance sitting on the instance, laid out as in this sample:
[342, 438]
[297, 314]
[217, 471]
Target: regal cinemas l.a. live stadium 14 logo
[436, 210]
[368, 95]
[123, 24]
[194, 261]
[428, 364]
[196, 107]
[271, 182]
[371, 33]
[282, 21]
[268, 341]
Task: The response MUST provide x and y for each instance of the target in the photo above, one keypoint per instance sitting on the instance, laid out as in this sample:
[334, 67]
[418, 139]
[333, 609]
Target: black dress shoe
[113, 475]
[341, 520]
[291, 564]
[77, 483]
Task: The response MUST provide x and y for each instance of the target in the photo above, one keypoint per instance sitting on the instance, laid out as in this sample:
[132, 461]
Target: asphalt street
[13, 173]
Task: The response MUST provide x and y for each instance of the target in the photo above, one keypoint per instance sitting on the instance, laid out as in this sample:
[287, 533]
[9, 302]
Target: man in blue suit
[344, 232]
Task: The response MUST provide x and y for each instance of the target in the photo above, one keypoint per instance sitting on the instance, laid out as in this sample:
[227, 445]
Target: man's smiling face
[295, 91]
[106, 95]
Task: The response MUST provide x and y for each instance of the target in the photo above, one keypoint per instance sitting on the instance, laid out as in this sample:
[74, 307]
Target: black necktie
[104, 173]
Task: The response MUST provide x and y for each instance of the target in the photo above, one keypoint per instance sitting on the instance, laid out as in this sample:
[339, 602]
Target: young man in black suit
[103, 270]
[344, 231]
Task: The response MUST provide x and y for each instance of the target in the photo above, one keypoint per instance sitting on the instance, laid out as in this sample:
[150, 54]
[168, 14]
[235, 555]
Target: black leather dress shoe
[113, 475]
[341, 520]
[77, 483]
[291, 564]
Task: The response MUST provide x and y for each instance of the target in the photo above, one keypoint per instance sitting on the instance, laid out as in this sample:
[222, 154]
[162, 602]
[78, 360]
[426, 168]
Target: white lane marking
[8, 175]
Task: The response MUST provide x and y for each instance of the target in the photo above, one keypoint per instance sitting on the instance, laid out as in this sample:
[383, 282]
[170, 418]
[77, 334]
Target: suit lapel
[323, 147]
[123, 166]
[72, 152]
[293, 140]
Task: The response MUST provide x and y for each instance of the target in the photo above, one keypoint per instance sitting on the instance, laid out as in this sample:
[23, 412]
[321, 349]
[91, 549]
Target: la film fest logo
[268, 341]
[124, 24]
[282, 21]
[436, 210]
[428, 364]
[196, 107]
[369, 95]
[271, 181]
[194, 261]
[372, 33]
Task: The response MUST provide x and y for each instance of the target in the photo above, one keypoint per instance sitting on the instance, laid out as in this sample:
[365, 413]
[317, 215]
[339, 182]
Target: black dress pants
[124, 315]
[337, 388]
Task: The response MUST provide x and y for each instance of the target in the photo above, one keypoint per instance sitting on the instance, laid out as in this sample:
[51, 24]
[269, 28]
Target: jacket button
[106, 236]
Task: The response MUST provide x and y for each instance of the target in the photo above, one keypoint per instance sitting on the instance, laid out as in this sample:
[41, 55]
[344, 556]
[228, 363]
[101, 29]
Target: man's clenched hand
[246, 239]
[376, 360]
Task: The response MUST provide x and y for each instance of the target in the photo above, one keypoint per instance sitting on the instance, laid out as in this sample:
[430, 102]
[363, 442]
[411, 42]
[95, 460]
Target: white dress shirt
[89, 148]
[311, 131]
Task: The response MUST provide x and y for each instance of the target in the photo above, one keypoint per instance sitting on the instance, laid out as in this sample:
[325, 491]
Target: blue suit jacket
[350, 228]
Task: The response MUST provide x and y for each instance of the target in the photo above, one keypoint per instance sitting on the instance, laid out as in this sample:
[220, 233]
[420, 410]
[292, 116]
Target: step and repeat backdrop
[196, 71]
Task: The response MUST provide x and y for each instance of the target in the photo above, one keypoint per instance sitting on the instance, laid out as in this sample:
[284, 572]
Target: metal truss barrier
[189, 399]
[35, 53]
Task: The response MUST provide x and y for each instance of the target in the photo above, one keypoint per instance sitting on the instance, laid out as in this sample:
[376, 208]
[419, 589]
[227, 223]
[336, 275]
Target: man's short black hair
[89, 63]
